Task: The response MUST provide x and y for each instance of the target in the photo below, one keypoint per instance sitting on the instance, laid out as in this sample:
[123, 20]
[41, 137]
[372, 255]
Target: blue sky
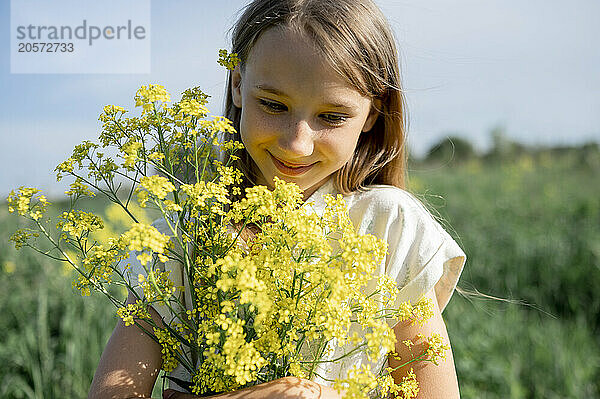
[467, 66]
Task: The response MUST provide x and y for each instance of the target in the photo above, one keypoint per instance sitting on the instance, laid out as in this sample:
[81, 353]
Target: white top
[421, 256]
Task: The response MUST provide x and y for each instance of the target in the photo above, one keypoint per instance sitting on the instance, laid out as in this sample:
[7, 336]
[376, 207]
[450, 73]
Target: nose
[298, 140]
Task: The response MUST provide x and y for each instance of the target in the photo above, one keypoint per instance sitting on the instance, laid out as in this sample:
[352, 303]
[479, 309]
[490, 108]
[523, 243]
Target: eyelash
[272, 105]
[332, 119]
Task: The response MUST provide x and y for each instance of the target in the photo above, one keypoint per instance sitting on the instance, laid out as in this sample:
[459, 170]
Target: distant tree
[589, 155]
[503, 147]
[501, 144]
[451, 149]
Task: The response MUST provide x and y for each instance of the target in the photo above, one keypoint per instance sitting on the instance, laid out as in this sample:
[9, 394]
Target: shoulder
[421, 254]
[388, 203]
[383, 195]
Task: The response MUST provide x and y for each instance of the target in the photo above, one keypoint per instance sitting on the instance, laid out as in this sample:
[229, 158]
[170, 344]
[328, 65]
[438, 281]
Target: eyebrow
[272, 90]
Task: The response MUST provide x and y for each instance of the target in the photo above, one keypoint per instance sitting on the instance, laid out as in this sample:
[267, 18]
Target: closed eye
[272, 106]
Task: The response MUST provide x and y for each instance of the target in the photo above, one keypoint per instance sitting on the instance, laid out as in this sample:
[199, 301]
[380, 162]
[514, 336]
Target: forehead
[289, 61]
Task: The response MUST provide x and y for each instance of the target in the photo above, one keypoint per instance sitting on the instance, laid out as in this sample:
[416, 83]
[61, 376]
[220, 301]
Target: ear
[373, 115]
[236, 86]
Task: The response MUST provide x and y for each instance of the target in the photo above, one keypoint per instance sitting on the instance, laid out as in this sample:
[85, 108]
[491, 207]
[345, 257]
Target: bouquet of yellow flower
[249, 308]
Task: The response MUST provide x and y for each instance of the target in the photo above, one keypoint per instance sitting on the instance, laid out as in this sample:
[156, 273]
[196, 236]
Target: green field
[531, 231]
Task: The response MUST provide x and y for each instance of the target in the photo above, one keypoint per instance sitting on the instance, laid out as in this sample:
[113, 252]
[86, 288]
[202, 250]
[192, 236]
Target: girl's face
[300, 120]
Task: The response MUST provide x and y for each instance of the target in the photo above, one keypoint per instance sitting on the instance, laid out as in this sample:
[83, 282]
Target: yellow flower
[79, 189]
[419, 313]
[436, 348]
[157, 286]
[156, 156]
[98, 267]
[112, 110]
[130, 154]
[142, 236]
[193, 107]
[65, 167]
[9, 267]
[216, 125]
[147, 95]
[159, 186]
[170, 349]
[132, 311]
[171, 206]
[228, 60]
[409, 387]
[79, 223]
[359, 382]
[22, 203]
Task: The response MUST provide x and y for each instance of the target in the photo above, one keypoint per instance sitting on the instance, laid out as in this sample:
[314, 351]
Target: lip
[290, 169]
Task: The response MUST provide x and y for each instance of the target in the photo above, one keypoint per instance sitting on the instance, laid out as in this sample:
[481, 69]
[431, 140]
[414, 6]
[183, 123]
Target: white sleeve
[421, 254]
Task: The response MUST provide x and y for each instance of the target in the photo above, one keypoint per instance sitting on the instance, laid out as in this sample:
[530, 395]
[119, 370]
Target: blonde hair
[356, 40]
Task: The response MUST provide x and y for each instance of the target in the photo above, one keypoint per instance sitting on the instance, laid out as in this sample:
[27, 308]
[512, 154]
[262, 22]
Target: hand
[172, 394]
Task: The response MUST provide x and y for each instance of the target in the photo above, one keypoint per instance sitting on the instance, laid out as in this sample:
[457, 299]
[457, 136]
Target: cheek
[343, 146]
[253, 129]
[348, 151]
[257, 127]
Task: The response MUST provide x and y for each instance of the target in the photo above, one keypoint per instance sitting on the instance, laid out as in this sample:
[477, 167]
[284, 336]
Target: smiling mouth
[290, 169]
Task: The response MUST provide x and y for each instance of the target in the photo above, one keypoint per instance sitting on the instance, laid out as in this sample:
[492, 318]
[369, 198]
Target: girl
[317, 101]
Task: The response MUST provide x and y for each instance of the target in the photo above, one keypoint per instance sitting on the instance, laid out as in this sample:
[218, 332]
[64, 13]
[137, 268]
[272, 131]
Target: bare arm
[129, 364]
[434, 381]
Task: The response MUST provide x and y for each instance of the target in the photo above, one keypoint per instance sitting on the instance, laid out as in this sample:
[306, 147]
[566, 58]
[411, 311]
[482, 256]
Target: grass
[531, 231]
